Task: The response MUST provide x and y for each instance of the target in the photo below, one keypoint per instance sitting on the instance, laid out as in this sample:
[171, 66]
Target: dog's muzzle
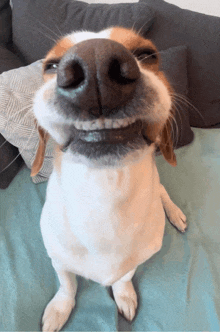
[97, 77]
[95, 80]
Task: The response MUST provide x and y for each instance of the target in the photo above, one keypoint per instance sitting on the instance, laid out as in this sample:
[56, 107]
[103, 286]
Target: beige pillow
[17, 90]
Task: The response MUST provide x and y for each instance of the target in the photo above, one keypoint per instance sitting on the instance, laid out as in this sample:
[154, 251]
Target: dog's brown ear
[166, 144]
[39, 158]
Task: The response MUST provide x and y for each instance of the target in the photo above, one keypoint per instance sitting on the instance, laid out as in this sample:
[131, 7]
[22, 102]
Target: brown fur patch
[129, 38]
[56, 53]
[39, 157]
[48, 77]
[59, 49]
[133, 41]
[58, 160]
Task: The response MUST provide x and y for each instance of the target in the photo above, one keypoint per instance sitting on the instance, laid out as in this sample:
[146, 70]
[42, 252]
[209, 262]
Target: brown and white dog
[108, 107]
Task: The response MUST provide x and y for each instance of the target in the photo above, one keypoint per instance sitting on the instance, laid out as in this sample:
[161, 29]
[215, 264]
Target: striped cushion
[17, 89]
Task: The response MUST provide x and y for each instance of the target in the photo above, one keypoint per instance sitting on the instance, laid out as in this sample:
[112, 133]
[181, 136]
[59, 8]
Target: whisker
[184, 99]
[3, 143]
[32, 132]
[172, 122]
[47, 36]
[49, 30]
[176, 103]
[138, 32]
[141, 28]
[133, 26]
[10, 163]
[148, 56]
[177, 128]
[61, 34]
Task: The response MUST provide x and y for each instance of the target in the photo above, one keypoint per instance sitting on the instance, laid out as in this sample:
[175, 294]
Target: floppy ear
[39, 158]
[166, 144]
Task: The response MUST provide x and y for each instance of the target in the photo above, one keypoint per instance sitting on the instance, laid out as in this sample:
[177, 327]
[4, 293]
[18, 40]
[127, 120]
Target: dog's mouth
[118, 139]
[111, 136]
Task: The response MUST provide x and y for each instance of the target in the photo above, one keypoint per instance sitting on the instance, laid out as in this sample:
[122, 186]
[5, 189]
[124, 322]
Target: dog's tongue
[112, 136]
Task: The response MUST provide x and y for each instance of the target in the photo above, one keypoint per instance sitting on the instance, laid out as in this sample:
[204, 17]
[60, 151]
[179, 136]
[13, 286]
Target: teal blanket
[178, 288]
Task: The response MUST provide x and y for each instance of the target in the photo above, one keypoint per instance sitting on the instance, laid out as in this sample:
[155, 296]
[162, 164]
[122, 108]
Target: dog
[109, 108]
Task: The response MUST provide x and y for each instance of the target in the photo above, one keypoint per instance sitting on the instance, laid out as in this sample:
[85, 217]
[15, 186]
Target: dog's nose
[97, 76]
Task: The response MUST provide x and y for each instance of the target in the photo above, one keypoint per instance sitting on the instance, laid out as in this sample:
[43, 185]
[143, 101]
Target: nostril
[71, 76]
[122, 72]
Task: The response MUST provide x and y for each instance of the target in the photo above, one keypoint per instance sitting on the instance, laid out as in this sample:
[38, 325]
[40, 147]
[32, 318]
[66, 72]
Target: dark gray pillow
[5, 22]
[8, 152]
[9, 166]
[10, 162]
[201, 33]
[36, 24]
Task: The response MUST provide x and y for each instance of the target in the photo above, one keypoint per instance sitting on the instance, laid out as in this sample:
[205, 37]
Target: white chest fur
[103, 222]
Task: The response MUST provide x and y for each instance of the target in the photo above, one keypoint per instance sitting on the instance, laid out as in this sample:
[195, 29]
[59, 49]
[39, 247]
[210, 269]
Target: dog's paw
[126, 299]
[57, 312]
[177, 218]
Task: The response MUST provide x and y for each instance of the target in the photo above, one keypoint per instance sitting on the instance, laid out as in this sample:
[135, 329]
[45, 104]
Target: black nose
[97, 76]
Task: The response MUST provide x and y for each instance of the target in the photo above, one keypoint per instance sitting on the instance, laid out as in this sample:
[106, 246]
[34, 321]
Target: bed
[178, 288]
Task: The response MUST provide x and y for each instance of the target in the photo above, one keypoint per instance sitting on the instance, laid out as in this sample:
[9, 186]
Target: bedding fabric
[178, 288]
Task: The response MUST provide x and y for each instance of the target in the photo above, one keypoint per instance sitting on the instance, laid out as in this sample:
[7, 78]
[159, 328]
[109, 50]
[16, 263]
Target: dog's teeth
[78, 125]
[86, 125]
[131, 120]
[108, 123]
[125, 123]
[100, 124]
[115, 124]
[103, 124]
[93, 125]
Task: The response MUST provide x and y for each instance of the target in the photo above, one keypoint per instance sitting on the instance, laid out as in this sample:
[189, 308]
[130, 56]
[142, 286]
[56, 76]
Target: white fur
[101, 224]
[77, 37]
[114, 217]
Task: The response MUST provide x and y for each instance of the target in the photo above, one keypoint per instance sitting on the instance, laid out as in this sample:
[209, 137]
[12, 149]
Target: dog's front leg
[59, 308]
[174, 214]
[125, 295]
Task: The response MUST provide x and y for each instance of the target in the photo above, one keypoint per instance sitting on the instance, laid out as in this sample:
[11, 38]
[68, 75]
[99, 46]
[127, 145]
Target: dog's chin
[108, 145]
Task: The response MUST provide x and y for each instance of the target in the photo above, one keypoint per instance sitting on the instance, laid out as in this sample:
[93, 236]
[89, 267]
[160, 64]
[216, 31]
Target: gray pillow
[17, 90]
[37, 23]
[201, 34]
